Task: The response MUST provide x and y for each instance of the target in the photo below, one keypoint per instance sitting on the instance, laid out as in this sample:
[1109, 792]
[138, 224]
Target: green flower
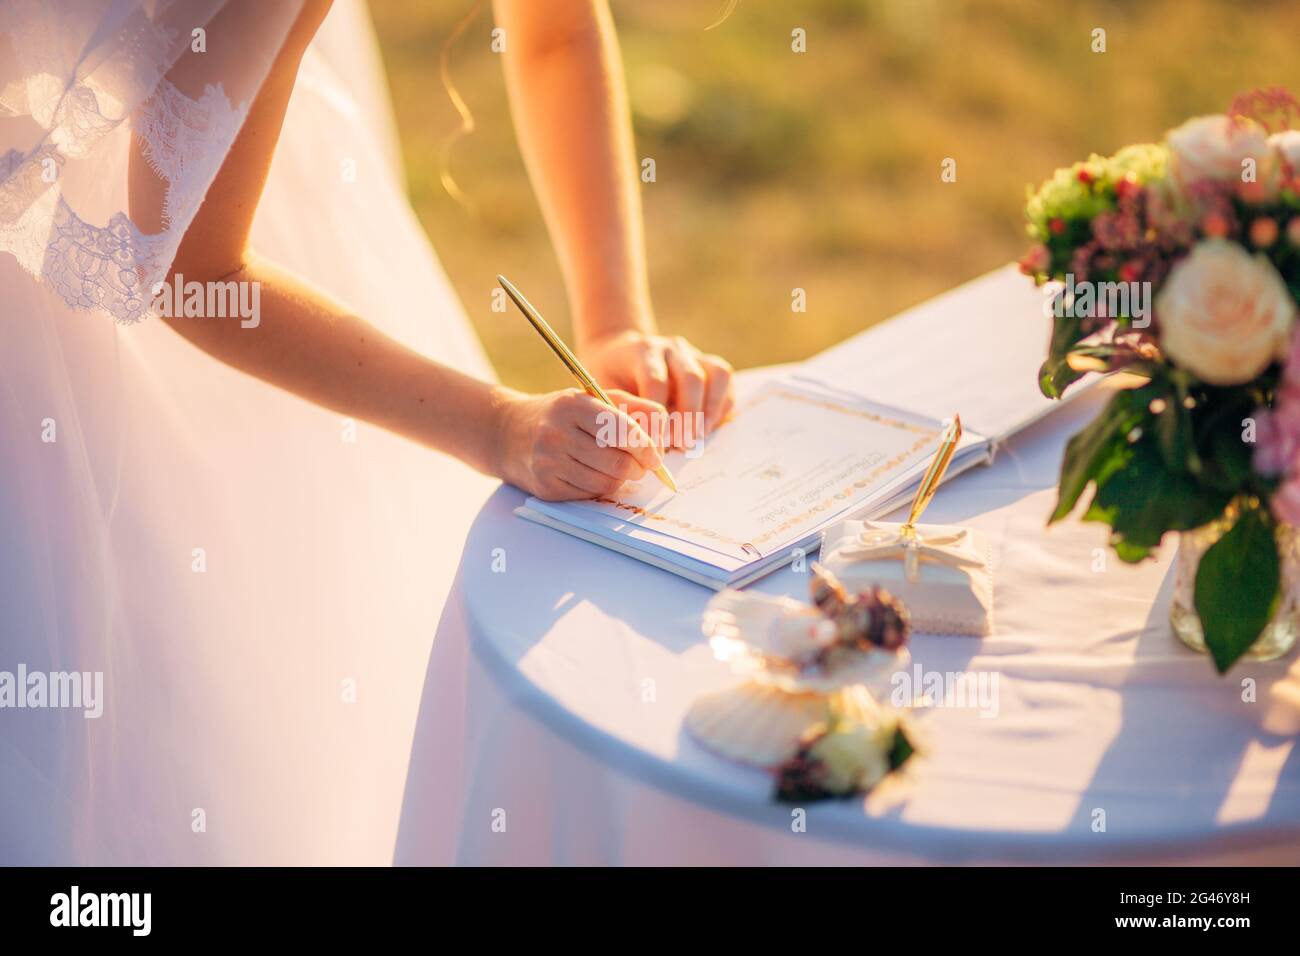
[1078, 193]
[1148, 162]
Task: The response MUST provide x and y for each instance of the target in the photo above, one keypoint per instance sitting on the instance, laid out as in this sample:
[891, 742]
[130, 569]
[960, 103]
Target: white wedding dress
[259, 591]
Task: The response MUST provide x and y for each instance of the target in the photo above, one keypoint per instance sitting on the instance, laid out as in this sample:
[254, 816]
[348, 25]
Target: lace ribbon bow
[952, 548]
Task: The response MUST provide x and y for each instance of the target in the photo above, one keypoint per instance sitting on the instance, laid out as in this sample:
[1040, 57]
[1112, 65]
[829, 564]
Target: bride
[255, 562]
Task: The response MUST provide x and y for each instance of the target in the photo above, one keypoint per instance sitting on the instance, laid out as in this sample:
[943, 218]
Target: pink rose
[1287, 146]
[1225, 315]
[1214, 147]
[1286, 502]
[1277, 442]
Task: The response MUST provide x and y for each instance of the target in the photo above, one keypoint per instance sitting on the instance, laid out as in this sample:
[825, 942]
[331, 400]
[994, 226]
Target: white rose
[1224, 314]
[1287, 145]
[1214, 147]
[852, 757]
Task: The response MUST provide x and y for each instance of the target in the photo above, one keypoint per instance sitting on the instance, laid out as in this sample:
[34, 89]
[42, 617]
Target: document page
[789, 459]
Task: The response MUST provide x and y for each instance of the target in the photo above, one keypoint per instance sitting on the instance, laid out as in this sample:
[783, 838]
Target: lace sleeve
[77, 79]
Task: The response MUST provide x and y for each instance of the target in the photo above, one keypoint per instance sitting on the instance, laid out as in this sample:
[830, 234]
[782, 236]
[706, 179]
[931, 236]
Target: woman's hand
[566, 445]
[666, 369]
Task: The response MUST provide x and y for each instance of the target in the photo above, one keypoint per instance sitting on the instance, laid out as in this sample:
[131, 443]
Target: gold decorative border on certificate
[928, 435]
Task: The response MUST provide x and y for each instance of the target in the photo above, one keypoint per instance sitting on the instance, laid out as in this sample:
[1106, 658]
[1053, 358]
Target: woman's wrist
[496, 437]
[595, 320]
[470, 420]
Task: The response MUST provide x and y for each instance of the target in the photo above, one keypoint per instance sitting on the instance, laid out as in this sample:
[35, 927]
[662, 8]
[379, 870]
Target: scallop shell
[761, 637]
[760, 724]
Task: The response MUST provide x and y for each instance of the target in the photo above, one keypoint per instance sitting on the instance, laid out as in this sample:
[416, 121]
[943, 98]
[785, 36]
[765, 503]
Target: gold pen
[575, 367]
[933, 475]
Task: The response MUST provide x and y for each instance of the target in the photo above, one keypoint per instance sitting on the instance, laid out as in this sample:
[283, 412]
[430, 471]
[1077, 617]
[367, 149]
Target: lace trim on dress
[178, 133]
[115, 267]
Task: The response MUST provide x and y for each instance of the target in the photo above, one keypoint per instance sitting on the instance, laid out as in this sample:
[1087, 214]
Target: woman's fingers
[651, 373]
[650, 415]
[719, 390]
[669, 370]
[688, 378]
[636, 403]
[582, 448]
[567, 445]
[570, 492]
[610, 429]
[594, 483]
[557, 489]
[612, 463]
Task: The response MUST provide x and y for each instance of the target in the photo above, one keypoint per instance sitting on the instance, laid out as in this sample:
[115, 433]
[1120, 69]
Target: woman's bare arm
[304, 342]
[565, 76]
[310, 345]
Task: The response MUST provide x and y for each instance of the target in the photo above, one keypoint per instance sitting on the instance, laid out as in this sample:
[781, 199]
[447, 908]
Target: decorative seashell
[762, 725]
[773, 640]
[755, 723]
[777, 628]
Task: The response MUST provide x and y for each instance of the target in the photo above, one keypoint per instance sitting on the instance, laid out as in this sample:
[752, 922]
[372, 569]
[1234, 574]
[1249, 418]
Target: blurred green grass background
[816, 170]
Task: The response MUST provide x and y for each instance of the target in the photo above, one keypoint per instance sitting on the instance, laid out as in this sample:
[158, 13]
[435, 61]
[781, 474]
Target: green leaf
[902, 749]
[1237, 587]
[1055, 374]
[1174, 429]
[1096, 451]
[1142, 499]
[1225, 456]
[1128, 552]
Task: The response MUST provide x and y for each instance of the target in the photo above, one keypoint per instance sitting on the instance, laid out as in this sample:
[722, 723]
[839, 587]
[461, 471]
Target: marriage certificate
[789, 459]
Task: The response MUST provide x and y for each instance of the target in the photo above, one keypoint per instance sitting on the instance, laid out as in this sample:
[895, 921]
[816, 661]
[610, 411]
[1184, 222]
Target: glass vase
[1279, 635]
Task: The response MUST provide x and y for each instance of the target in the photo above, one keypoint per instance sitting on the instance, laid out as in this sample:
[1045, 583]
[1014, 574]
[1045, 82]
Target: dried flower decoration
[1274, 108]
[873, 618]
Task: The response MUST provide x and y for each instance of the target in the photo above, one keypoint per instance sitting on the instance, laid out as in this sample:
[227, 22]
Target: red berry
[1057, 226]
[1263, 232]
[1215, 225]
[1293, 231]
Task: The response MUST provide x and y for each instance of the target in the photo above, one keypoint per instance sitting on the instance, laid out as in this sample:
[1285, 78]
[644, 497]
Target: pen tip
[666, 477]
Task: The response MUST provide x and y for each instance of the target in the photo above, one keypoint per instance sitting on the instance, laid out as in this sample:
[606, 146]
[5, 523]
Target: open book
[847, 434]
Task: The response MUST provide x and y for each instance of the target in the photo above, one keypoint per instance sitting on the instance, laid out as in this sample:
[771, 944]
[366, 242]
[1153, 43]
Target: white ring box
[946, 582]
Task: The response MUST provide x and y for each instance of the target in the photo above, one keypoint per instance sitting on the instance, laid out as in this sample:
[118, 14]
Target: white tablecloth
[551, 724]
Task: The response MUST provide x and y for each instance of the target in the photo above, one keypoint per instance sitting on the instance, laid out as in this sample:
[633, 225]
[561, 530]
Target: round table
[551, 727]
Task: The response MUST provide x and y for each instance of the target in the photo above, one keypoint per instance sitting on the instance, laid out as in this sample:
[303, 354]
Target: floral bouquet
[1179, 262]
